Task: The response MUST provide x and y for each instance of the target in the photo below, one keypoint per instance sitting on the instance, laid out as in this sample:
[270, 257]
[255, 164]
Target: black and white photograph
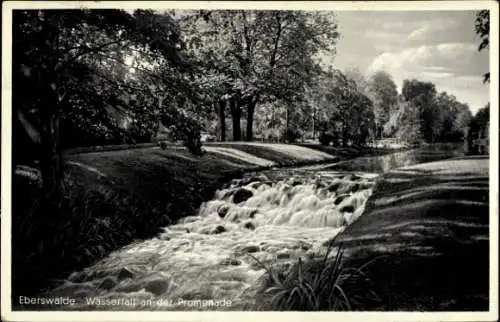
[229, 157]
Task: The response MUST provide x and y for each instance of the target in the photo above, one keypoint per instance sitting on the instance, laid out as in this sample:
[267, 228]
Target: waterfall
[276, 218]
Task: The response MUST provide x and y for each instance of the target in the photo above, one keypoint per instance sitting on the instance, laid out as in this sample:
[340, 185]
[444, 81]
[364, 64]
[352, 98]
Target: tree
[422, 96]
[410, 128]
[482, 116]
[349, 113]
[59, 55]
[455, 117]
[383, 92]
[266, 55]
[482, 28]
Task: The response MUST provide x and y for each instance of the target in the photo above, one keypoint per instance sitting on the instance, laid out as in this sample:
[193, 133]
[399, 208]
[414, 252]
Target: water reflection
[395, 160]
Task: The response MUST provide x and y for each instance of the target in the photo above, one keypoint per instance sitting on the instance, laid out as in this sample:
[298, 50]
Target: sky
[436, 46]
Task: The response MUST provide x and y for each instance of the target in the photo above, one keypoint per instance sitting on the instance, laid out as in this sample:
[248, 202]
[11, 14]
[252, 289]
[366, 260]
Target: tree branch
[276, 42]
[90, 50]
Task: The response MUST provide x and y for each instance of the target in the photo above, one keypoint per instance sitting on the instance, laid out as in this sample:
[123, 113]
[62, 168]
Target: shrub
[78, 230]
[291, 135]
[186, 129]
[316, 285]
[325, 138]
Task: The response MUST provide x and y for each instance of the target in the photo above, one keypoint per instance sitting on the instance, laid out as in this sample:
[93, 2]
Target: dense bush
[291, 135]
[181, 127]
[325, 138]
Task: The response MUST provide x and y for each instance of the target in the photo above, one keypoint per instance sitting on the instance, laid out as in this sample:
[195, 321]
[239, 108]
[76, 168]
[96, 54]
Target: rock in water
[249, 225]
[125, 273]
[334, 187]
[107, 284]
[218, 230]
[157, 286]
[339, 199]
[231, 261]
[242, 195]
[222, 211]
[283, 256]
[250, 249]
[253, 213]
[347, 208]
[352, 177]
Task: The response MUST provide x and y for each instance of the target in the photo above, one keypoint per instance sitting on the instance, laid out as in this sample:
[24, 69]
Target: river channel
[275, 216]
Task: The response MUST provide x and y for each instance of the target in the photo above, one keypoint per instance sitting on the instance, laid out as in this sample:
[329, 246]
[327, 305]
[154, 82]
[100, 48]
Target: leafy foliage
[259, 56]
[348, 112]
[482, 28]
[383, 93]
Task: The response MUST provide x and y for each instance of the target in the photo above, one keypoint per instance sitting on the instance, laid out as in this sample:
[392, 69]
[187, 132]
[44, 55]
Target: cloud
[419, 33]
[435, 46]
[431, 28]
[461, 58]
[453, 67]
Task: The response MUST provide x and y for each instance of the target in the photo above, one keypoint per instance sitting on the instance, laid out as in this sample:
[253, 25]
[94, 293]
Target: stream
[208, 260]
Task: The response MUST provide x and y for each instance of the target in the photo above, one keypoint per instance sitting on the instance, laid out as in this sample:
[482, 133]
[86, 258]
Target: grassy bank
[422, 244]
[114, 197]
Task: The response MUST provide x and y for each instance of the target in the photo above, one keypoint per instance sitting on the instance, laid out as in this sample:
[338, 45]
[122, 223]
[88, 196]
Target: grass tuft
[319, 285]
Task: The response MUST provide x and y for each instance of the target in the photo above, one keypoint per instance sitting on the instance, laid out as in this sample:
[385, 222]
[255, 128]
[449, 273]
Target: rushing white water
[206, 256]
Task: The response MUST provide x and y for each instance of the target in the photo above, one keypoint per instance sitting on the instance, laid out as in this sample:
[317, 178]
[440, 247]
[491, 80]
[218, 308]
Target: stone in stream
[249, 225]
[107, 284]
[260, 178]
[253, 213]
[250, 249]
[125, 273]
[242, 195]
[347, 208]
[294, 182]
[302, 245]
[282, 255]
[218, 230]
[305, 247]
[255, 184]
[222, 210]
[340, 198]
[157, 286]
[334, 186]
[352, 177]
[231, 261]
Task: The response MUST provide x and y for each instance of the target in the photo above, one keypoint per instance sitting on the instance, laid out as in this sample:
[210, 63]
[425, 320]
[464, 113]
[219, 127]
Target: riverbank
[117, 196]
[422, 243]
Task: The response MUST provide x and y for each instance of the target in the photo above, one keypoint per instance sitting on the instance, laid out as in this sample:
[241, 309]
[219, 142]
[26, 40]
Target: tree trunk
[222, 120]
[236, 116]
[286, 117]
[50, 159]
[344, 134]
[251, 111]
[314, 123]
[48, 83]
